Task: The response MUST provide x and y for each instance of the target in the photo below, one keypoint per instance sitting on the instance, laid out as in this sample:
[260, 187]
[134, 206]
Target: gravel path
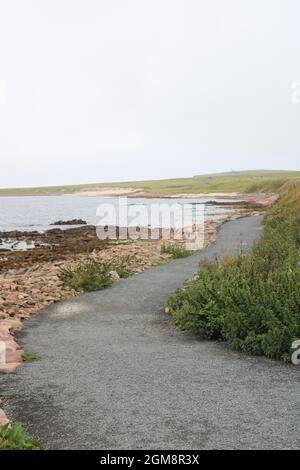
[115, 374]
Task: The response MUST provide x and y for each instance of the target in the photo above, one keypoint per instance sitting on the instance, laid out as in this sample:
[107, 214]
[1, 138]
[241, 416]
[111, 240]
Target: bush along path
[251, 301]
[113, 373]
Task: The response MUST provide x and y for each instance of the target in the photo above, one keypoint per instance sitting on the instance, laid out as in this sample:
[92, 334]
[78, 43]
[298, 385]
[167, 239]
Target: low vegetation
[30, 357]
[251, 301]
[13, 437]
[7, 394]
[175, 251]
[94, 276]
[234, 181]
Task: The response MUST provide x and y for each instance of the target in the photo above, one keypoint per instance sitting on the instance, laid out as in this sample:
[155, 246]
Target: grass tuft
[93, 276]
[30, 357]
[13, 437]
[175, 251]
[7, 394]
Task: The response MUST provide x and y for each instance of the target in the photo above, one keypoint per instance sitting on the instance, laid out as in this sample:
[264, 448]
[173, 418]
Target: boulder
[3, 418]
[114, 276]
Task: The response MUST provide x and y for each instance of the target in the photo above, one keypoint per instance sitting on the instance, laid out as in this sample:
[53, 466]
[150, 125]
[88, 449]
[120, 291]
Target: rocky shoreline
[29, 280]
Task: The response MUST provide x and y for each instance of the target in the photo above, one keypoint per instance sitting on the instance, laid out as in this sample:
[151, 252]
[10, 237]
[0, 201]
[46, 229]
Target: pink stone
[9, 368]
[3, 418]
[13, 356]
[12, 298]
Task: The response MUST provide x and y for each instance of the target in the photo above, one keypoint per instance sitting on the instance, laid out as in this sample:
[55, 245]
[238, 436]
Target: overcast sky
[112, 90]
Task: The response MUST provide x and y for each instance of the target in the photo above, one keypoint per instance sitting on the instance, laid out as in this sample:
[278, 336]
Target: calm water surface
[39, 212]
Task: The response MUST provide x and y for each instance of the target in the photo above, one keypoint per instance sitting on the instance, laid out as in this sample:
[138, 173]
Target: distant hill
[235, 181]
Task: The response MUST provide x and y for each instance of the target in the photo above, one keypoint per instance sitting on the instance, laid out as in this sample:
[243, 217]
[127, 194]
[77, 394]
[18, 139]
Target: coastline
[30, 282]
[258, 197]
[129, 313]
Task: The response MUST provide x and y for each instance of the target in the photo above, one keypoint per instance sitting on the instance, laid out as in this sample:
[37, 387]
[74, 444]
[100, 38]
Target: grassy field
[251, 301]
[242, 182]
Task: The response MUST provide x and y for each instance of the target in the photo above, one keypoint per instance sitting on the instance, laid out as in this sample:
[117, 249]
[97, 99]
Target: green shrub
[122, 267]
[251, 301]
[93, 276]
[175, 251]
[13, 437]
[88, 277]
